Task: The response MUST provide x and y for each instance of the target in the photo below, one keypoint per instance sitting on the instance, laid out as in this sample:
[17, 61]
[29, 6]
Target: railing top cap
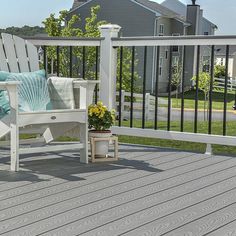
[63, 38]
[182, 37]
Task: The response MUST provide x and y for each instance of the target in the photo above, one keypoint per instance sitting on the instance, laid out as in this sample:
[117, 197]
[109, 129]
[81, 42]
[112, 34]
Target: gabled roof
[152, 6]
[164, 11]
[77, 3]
[158, 8]
[180, 8]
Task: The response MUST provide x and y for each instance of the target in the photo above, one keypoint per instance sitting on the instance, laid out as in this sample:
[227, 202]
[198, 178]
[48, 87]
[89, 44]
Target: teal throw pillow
[4, 75]
[33, 91]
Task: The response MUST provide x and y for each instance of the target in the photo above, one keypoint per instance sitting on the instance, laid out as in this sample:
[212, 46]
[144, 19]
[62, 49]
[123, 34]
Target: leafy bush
[219, 71]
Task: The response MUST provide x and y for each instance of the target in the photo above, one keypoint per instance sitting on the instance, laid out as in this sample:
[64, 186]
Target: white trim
[182, 21]
[80, 6]
[161, 30]
[174, 41]
[173, 135]
[147, 8]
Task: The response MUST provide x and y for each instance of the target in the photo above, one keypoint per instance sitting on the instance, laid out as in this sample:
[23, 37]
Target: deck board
[149, 191]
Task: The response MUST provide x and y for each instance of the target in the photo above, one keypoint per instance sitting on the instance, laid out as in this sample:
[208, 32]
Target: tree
[126, 71]
[204, 85]
[63, 26]
[176, 78]
[23, 31]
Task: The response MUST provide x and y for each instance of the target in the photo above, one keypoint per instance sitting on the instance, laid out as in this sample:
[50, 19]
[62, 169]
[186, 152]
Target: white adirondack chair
[19, 55]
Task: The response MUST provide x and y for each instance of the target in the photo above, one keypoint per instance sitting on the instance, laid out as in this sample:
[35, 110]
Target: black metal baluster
[156, 87]
[211, 88]
[225, 89]
[132, 87]
[144, 86]
[120, 88]
[83, 63]
[182, 87]
[197, 90]
[169, 91]
[96, 76]
[71, 61]
[45, 63]
[58, 60]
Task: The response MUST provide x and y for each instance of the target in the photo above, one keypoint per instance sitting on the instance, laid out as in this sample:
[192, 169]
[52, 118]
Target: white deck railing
[109, 42]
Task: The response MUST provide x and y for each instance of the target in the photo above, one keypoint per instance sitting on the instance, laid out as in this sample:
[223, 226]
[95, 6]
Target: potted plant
[100, 119]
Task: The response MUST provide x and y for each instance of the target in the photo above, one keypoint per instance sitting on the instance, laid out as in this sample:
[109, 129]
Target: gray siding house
[147, 18]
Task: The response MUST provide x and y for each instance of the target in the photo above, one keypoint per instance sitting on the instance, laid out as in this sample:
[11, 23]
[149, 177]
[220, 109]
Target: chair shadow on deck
[45, 166]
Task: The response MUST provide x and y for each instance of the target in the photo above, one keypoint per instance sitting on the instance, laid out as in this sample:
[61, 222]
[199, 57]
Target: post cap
[110, 27]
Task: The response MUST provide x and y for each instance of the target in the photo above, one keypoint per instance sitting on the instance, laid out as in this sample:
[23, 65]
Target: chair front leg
[14, 146]
[14, 128]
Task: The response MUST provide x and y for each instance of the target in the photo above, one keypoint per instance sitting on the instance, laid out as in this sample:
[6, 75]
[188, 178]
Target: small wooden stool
[113, 139]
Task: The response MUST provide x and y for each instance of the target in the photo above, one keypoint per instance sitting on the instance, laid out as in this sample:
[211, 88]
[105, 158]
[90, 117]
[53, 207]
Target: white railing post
[108, 63]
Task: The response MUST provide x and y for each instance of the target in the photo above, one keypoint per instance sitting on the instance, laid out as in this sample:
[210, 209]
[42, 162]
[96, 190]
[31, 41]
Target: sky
[33, 12]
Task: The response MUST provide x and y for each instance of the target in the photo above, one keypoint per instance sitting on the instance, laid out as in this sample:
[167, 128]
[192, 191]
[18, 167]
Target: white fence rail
[138, 105]
[220, 83]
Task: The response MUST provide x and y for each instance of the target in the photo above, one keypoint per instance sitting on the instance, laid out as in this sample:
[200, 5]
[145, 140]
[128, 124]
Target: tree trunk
[204, 106]
[176, 96]
[207, 99]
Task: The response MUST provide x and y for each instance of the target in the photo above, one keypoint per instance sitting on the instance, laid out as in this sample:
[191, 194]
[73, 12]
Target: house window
[175, 64]
[206, 33]
[175, 48]
[206, 63]
[160, 66]
[166, 54]
[175, 60]
[161, 30]
[222, 61]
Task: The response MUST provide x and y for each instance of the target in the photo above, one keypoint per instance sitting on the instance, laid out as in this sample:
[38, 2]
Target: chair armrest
[86, 91]
[11, 87]
[84, 97]
[9, 84]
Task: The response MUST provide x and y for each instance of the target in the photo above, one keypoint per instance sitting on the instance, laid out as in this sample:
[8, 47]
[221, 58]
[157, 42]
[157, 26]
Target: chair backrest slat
[33, 56]
[3, 61]
[21, 54]
[10, 52]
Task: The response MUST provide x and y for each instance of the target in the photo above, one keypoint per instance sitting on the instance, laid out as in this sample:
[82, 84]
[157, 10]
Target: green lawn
[217, 98]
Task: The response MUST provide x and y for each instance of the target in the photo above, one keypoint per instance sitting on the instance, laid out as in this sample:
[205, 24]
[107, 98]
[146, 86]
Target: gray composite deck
[147, 192]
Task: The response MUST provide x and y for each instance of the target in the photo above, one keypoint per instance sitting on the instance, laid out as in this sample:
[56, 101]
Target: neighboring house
[147, 18]
[221, 59]
[205, 27]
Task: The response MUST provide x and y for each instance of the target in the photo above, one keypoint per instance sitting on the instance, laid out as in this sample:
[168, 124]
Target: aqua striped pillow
[33, 92]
